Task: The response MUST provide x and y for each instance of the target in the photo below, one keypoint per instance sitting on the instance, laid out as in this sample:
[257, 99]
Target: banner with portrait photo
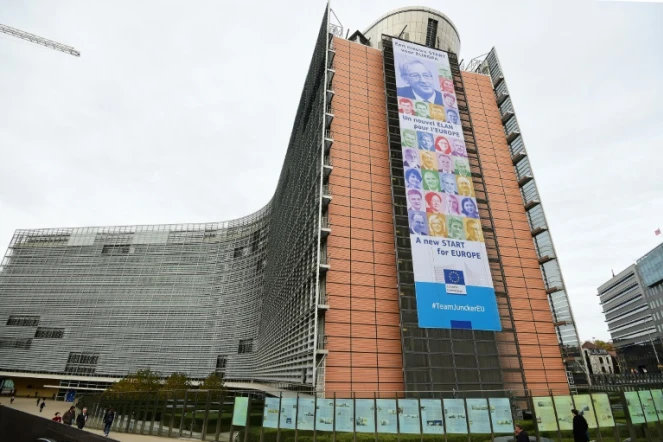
[453, 285]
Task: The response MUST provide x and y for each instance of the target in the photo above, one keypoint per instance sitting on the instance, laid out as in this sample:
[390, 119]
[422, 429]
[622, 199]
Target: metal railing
[250, 415]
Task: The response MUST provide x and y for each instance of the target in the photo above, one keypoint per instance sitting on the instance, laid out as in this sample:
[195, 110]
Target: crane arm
[39, 40]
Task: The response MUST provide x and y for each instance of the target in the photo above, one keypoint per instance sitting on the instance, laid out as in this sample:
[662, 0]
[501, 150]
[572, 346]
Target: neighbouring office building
[405, 249]
[632, 303]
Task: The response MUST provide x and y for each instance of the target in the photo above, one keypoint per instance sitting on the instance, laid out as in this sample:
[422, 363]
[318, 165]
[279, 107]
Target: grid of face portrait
[439, 191]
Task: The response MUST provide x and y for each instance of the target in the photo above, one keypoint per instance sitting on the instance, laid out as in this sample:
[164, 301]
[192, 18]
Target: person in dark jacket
[580, 427]
[41, 407]
[109, 417]
[81, 419]
[69, 415]
[521, 434]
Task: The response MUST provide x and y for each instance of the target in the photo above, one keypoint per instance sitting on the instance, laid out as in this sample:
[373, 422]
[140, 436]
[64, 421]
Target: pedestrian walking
[81, 419]
[109, 417]
[580, 427]
[41, 407]
[11, 400]
[69, 415]
[38, 399]
[57, 417]
[521, 434]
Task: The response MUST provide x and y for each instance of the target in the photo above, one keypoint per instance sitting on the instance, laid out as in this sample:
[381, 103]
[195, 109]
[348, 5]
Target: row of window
[23, 344]
[245, 346]
[81, 363]
[83, 358]
[23, 321]
[49, 333]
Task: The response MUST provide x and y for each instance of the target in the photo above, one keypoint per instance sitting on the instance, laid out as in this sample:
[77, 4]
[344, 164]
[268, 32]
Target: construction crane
[39, 40]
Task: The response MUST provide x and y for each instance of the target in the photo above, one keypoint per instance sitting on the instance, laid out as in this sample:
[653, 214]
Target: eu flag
[454, 282]
[455, 277]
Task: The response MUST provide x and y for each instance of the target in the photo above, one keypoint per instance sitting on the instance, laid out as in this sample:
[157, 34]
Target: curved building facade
[317, 290]
[418, 24]
[82, 307]
[112, 300]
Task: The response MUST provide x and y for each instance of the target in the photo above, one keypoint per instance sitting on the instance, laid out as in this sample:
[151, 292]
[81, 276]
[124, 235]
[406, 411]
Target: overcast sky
[181, 112]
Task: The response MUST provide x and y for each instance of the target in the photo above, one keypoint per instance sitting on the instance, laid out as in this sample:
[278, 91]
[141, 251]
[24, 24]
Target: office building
[650, 270]
[632, 303]
[599, 360]
[375, 290]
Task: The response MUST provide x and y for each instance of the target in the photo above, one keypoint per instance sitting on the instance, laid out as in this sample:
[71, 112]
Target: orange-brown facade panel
[541, 358]
[363, 324]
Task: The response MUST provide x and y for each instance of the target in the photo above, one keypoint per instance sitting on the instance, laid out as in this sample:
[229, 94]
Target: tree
[141, 381]
[604, 345]
[608, 346]
[212, 382]
[177, 381]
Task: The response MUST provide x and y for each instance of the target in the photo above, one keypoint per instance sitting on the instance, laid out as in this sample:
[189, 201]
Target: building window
[245, 346]
[81, 363]
[116, 249]
[221, 362]
[24, 321]
[23, 344]
[49, 333]
[431, 33]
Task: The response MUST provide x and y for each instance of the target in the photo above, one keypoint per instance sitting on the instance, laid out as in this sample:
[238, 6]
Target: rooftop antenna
[335, 28]
[401, 34]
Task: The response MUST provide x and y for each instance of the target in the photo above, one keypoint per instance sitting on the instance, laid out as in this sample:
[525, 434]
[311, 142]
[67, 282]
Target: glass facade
[650, 267]
[633, 307]
[133, 297]
[236, 297]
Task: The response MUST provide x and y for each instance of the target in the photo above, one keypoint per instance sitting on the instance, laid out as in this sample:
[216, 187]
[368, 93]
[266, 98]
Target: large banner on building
[451, 271]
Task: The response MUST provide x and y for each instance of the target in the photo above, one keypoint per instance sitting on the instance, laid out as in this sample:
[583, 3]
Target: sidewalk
[29, 405]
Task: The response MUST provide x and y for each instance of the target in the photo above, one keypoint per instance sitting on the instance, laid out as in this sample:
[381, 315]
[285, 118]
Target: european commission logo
[454, 281]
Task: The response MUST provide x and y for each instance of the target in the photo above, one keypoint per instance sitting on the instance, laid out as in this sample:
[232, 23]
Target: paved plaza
[29, 405]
